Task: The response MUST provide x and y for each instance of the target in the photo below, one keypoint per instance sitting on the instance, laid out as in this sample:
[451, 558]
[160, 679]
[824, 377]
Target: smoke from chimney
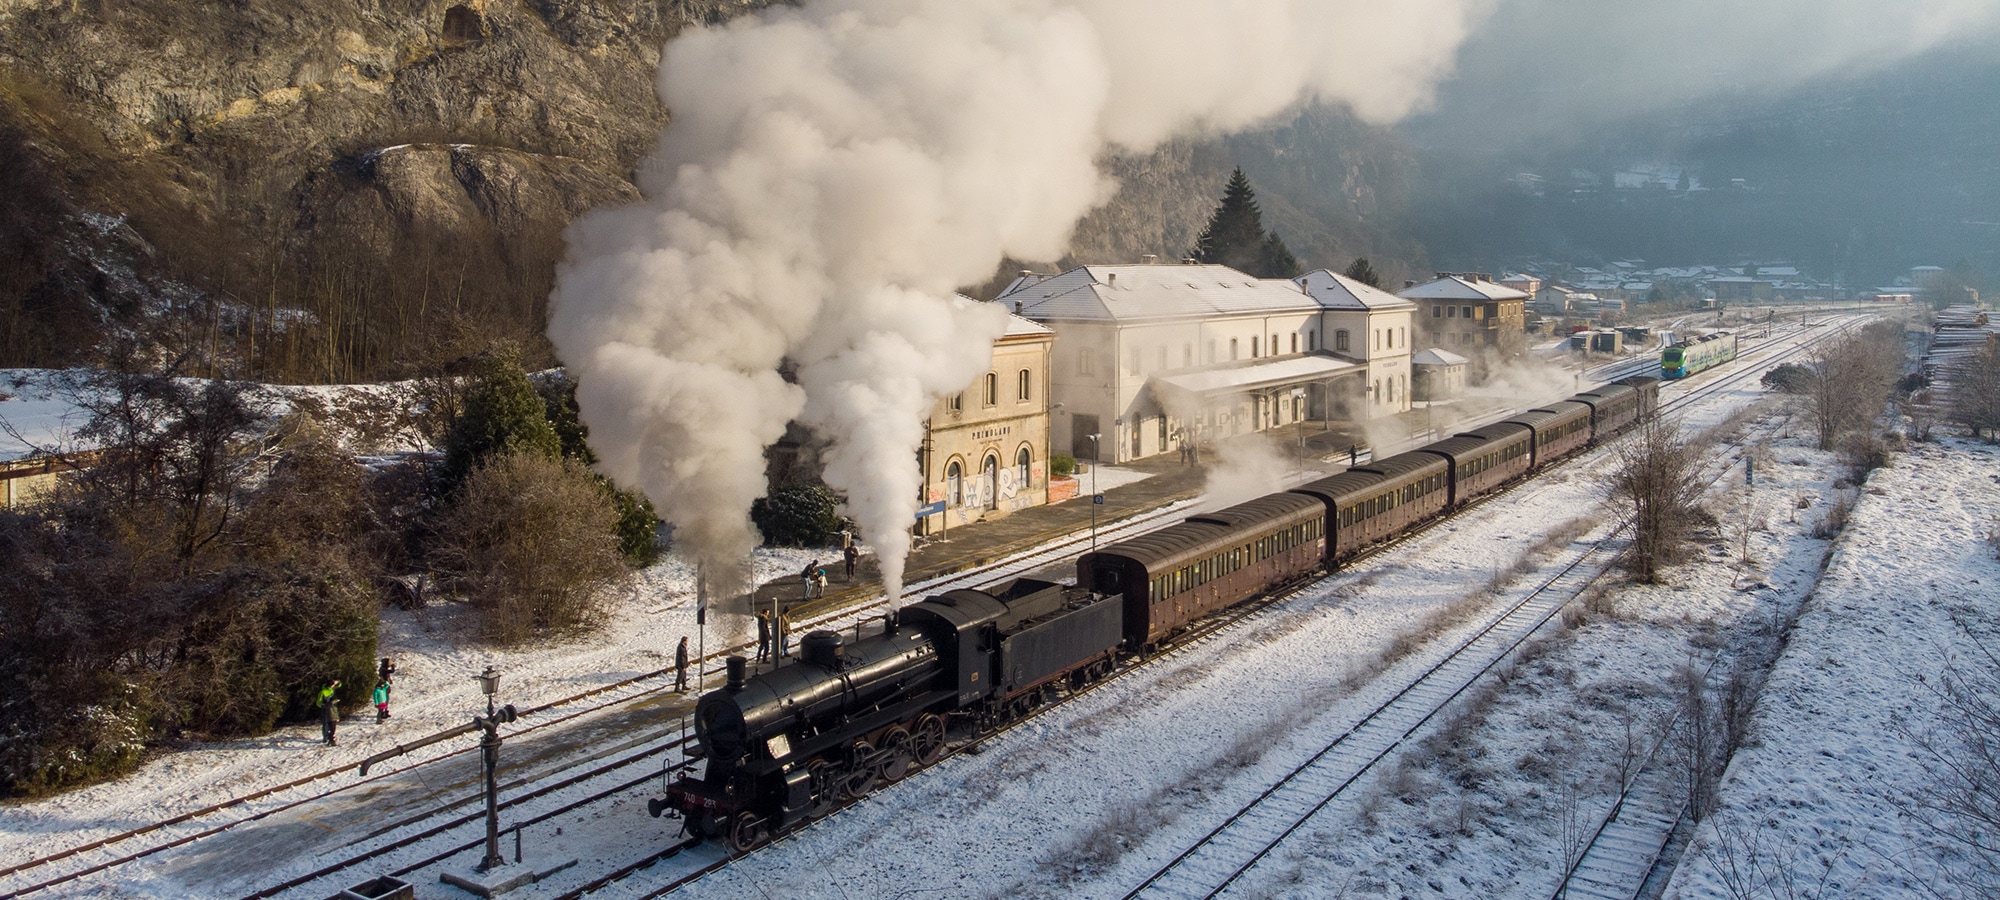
[834, 169]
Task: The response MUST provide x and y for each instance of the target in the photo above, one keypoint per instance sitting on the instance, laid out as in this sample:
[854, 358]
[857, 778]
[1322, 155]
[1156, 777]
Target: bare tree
[532, 543]
[1959, 810]
[1975, 392]
[1658, 482]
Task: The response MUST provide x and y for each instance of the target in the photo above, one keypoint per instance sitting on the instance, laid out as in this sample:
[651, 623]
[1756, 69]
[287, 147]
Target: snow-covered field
[1090, 798]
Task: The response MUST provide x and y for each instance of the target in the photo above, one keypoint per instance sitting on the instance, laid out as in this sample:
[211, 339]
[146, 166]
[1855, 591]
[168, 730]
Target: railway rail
[638, 688]
[1225, 854]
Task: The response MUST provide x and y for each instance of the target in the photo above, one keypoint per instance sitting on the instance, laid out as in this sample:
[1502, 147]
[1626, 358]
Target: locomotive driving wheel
[896, 745]
[861, 773]
[825, 784]
[927, 739]
[746, 832]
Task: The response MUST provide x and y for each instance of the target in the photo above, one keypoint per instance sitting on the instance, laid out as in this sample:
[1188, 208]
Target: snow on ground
[1087, 799]
[1814, 794]
[437, 653]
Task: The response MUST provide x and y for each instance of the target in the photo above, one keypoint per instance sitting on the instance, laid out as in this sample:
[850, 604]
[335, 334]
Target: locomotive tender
[789, 745]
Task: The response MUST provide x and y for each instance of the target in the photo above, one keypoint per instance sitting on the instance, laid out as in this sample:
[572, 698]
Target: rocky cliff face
[310, 137]
[393, 168]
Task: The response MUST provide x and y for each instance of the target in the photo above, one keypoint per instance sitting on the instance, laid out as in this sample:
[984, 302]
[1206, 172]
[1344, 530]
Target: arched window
[956, 403]
[1187, 355]
[992, 389]
[1232, 349]
[989, 483]
[1022, 386]
[1312, 341]
[1253, 348]
[1378, 390]
[954, 484]
[1340, 340]
[1295, 342]
[1021, 468]
[1274, 345]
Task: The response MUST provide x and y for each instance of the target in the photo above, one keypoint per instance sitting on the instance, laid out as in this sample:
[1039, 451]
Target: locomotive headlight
[780, 746]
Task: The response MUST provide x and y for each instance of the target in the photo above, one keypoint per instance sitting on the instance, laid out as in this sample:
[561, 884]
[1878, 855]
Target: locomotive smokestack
[738, 667]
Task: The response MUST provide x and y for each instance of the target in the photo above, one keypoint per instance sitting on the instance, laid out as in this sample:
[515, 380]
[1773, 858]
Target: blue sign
[1097, 499]
[930, 509]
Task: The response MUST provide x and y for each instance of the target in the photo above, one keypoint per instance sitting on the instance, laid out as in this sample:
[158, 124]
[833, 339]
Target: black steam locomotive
[788, 745]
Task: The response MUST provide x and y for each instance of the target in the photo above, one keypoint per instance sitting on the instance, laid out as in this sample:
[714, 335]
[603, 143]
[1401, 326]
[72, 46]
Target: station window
[992, 389]
[1023, 384]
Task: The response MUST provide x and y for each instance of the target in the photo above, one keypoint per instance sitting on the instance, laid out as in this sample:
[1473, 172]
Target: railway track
[638, 688]
[215, 819]
[714, 862]
[1225, 854]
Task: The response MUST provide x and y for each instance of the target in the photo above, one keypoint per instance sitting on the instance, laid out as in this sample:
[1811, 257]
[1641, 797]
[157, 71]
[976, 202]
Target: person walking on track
[329, 711]
[681, 667]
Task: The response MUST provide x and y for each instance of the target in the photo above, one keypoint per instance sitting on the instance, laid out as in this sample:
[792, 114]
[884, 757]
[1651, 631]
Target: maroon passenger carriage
[1209, 562]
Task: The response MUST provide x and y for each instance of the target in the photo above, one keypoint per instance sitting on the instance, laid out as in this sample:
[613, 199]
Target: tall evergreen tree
[501, 414]
[1363, 271]
[1235, 236]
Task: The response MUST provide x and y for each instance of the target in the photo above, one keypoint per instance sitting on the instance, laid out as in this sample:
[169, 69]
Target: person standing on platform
[819, 582]
[851, 556]
[329, 712]
[763, 635]
[681, 666]
[784, 629]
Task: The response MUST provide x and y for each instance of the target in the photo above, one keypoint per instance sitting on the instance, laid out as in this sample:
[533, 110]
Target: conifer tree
[502, 414]
[1235, 236]
[1363, 271]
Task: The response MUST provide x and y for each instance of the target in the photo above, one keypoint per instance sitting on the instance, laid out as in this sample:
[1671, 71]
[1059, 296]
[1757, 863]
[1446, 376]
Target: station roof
[1139, 292]
[1334, 291]
[1435, 357]
[1276, 372]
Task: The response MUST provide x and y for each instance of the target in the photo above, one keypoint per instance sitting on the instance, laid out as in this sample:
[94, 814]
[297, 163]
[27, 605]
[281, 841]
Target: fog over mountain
[1862, 134]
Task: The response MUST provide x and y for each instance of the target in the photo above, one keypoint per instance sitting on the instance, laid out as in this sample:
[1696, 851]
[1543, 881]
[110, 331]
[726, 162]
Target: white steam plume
[834, 170]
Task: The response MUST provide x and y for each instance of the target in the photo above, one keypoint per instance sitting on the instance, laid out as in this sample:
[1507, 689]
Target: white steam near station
[834, 170]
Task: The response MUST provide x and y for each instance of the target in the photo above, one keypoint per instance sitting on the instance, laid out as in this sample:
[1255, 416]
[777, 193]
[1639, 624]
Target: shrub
[638, 526]
[797, 516]
[532, 543]
[1789, 378]
[1062, 465]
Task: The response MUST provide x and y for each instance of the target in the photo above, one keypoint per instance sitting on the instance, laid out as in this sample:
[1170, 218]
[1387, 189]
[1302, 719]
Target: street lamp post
[1095, 498]
[489, 751]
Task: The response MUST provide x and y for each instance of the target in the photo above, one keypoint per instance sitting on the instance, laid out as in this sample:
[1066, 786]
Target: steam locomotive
[789, 745]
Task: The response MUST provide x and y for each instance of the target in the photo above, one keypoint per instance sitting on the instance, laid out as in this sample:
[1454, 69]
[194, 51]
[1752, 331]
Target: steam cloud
[833, 171]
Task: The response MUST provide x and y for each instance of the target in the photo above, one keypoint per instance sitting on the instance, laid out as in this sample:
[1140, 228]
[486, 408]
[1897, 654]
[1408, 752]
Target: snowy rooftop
[1435, 357]
[1123, 293]
[1452, 287]
[1341, 292]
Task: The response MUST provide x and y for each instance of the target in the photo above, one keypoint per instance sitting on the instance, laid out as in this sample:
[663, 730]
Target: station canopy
[1215, 384]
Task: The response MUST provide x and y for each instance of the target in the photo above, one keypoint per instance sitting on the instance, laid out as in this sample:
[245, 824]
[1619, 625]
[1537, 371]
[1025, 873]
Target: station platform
[962, 547]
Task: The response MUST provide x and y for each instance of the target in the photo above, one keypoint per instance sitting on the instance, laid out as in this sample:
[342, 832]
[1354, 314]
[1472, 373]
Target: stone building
[1440, 375]
[986, 449]
[1471, 315]
[1150, 357]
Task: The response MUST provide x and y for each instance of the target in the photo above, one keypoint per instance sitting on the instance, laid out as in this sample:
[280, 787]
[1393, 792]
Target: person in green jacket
[329, 711]
[381, 701]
